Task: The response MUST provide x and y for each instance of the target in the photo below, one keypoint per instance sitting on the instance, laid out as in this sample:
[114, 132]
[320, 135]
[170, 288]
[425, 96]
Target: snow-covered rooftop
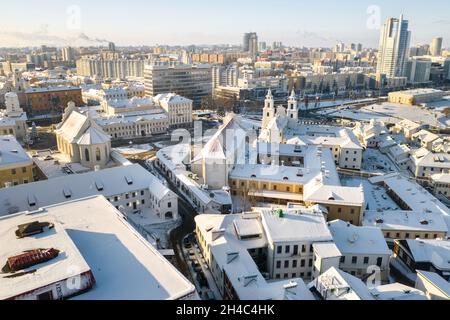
[326, 250]
[398, 220]
[232, 256]
[435, 279]
[12, 154]
[339, 285]
[299, 224]
[51, 89]
[436, 252]
[397, 291]
[125, 266]
[413, 195]
[107, 182]
[351, 239]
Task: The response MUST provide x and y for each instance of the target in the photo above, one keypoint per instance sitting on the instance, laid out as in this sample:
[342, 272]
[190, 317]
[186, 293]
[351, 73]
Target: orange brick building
[46, 100]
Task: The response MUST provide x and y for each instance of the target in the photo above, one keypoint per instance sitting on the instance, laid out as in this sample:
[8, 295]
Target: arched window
[97, 154]
[86, 154]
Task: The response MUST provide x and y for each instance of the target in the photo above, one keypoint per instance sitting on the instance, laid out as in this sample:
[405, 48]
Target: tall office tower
[67, 54]
[436, 47]
[359, 47]
[190, 81]
[394, 47]
[253, 45]
[246, 42]
[112, 46]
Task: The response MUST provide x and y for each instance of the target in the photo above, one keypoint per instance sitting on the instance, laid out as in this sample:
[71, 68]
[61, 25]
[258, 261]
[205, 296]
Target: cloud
[42, 37]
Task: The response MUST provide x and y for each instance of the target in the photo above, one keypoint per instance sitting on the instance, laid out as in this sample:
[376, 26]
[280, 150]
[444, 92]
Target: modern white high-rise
[394, 47]
[436, 47]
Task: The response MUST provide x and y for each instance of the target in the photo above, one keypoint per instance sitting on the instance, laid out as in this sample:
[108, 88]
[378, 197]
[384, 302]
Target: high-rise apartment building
[191, 81]
[250, 44]
[436, 47]
[394, 47]
[68, 54]
[110, 68]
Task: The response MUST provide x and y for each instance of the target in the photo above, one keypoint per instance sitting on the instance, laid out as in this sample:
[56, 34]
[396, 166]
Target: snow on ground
[135, 149]
[413, 113]
[154, 229]
[376, 162]
[163, 144]
[376, 197]
[440, 105]
[328, 104]
[393, 113]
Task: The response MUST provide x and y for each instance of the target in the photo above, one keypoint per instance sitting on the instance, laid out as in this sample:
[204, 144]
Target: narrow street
[187, 226]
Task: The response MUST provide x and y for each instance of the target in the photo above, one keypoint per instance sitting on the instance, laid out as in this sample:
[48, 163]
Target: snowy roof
[427, 158]
[408, 124]
[435, 251]
[419, 92]
[51, 89]
[413, 195]
[295, 225]
[440, 283]
[125, 266]
[425, 136]
[324, 135]
[129, 117]
[330, 194]
[71, 128]
[326, 250]
[405, 220]
[441, 178]
[45, 273]
[130, 103]
[397, 291]
[363, 240]
[318, 164]
[232, 256]
[172, 98]
[340, 285]
[248, 227]
[93, 136]
[12, 154]
[107, 182]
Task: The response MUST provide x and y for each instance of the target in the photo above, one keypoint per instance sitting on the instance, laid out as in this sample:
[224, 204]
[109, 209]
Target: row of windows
[294, 275]
[295, 263]
[295, 249]
[14, 171]
[10, 131]
[127, 196]
[408, 235]
[365, 260]
[16, 182]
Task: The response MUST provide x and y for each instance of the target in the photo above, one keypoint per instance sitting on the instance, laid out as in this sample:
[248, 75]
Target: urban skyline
[77, 23]
[228, 151]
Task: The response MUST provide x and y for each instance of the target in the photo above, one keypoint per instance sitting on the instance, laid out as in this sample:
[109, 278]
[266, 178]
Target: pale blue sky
[135, 22]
